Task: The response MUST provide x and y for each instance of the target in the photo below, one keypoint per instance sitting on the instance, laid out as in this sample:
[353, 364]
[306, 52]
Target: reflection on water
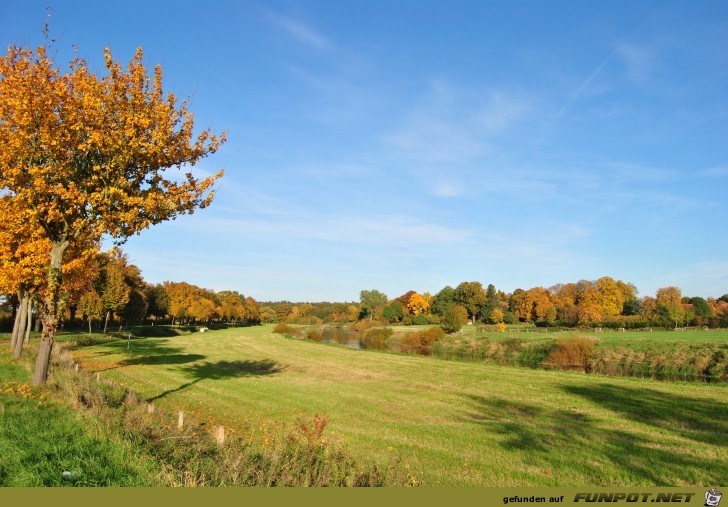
[343, 336]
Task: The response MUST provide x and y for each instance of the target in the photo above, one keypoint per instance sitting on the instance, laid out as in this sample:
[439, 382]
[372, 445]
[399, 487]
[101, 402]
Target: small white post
[220, 435]
[150, 408]
[181, 420]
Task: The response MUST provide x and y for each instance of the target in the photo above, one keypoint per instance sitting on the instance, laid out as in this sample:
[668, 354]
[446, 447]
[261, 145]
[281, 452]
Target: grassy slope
[634, 339]
[454, 423]
[41, 439]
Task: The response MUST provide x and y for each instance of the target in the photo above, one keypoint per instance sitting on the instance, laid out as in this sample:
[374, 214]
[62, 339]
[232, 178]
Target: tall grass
[688, 361]
[45, 443]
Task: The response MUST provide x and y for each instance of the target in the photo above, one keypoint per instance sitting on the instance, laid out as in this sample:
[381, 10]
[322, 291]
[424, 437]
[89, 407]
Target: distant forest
[106, 288]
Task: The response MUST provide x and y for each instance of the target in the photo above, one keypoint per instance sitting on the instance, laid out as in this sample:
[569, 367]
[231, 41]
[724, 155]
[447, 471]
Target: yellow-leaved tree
[82, 152]
[24, 252]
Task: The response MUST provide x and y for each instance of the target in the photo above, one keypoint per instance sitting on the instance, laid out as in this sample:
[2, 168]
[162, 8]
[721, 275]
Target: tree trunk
[37, 319]
[30, 320]
[106, 322]
[50, 314]
[16, 326]
[21, 325]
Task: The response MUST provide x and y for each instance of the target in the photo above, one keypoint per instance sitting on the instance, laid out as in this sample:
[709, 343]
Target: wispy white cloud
[639, 61]
[299, 30]
[335, 171]
[382, 230]
[449, 131]
[626, 172]
[454, 125]
[501, 111]
[337, 98]
[715, 172]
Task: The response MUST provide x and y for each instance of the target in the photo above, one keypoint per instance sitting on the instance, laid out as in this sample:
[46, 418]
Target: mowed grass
[450, 422]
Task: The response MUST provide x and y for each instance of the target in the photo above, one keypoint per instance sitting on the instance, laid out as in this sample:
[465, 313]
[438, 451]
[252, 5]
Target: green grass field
[40, 439]
[450, 422]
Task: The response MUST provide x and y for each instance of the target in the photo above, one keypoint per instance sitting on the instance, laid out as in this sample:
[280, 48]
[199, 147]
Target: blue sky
[409, 145]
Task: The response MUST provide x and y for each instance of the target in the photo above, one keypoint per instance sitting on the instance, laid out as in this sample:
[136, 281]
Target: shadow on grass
[221, 370]
[604, 452]
[147, 352]
[697, 419]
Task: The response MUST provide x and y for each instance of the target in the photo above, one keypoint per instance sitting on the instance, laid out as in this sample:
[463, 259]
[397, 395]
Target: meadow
[449, 423]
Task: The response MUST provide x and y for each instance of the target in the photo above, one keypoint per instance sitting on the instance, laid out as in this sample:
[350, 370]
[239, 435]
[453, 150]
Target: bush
[455, 317]
[314, 334]
[420, 319]
[376, 338]
[572, 354]
[534, 354]
[365, 324]
[284, 328]
[420, 342]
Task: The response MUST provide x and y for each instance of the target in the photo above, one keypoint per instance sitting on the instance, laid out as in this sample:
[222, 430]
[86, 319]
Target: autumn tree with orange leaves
[81, 152]
[24, 255]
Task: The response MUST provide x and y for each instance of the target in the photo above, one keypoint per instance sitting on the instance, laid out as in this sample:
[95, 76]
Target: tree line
[604, 302]
[111, 290]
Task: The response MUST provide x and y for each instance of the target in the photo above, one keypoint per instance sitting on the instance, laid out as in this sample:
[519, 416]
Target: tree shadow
[697, 419]
[220, 370]
[143, 352]
[575, 443]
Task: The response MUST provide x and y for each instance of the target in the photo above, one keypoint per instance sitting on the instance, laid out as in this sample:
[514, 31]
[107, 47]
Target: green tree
[394, 311]
[702, 310]
[471, 296]
[443, 300]
[136, 308]
[373, 303]
[456, 316]
[157, 301]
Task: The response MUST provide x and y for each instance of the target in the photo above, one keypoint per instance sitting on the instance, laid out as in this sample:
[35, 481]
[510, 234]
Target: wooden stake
[150, 408]
[181, 420]
[220, 435]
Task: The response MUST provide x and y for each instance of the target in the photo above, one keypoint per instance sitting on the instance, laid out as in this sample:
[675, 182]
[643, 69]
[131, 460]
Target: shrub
[314, 334]
[455, 317]
[376, 338]
[533, 354]
[284, 328]
[420, 319]
[365, 324]
[432, 335]
[420, 342]
[572, 354]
